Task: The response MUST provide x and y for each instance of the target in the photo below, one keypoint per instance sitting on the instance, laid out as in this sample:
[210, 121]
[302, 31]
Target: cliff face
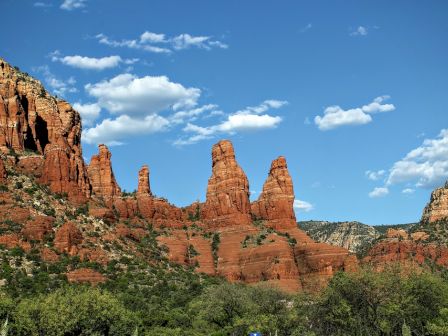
[33, 122]
[437, 207]
[40, 141]
[353, 236]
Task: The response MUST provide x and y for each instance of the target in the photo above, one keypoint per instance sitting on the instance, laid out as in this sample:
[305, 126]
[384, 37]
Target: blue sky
[353, 93]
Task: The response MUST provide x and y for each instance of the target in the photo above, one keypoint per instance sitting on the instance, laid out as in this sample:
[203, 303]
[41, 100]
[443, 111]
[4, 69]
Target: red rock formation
[143, 181]
[406, 252]
[32, 120]
[101, 175]
[437, 207]
[276, 201]
[37, 228]
[48, 255]
[228, 189]
[3, 174]
[86, 275]
[67, 238]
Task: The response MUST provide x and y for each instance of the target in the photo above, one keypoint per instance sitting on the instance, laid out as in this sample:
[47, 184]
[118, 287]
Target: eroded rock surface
[437, 207]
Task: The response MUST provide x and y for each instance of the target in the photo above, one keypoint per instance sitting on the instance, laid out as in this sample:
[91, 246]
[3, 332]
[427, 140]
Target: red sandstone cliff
[33, 121]
[100, 174]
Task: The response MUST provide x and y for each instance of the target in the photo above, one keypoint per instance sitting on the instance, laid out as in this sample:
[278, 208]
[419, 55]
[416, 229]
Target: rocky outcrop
[227, 201]
[101, 175]
[33, 121]
[86, 275]
[38, 228]
[437, 207]
[276, 201]
[143, 181]
[67, 239]
[353, 236]
[3, 173]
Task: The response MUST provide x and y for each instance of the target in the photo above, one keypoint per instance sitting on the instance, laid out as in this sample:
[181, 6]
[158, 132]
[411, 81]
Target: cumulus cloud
[426, 166]
[375, 175]
[58, 86]
[89, 112]
[70, 5]
[160, 43]
[247, 119]
[408, 191]
[303, 206]
[335, 116]
[91, 63]
[127, 93]
[360, 31]
[192, 114]
[113, 131]
[379, 192]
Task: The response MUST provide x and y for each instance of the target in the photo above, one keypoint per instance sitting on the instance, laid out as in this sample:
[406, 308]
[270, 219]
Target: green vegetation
[156, 301]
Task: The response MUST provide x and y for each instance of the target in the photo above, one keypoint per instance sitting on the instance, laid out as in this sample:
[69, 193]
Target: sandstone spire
[101, 175]
[143, 181]
[276, 201]
[228, 189]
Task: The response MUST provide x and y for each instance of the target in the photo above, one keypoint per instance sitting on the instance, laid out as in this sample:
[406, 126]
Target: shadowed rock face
[3, 174]
[437, 207]
[101, 175]
[33, 121]
[227, 201]
[276, 201]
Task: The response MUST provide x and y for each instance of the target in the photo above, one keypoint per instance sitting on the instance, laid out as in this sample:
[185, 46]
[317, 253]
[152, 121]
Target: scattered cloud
[306, 28]
[247, 119]
[58, 86]
[89, 112]
[379, 192]
[91, 63]
[425, 166]
[360, 31]
[408, 191]
[70, 5]
[160, 43]
[42, 4]
[375, 175]
[192, 114]
[303, 206]
[335, 116]
[113, 131]
[129, 94]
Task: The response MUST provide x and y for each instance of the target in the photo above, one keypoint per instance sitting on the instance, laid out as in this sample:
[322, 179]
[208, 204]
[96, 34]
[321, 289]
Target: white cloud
[303, 206]
[42, 4]
[379, 192]
[408, 191]
[113, 131]
[89, 112]
[248, 119]
[360, 31]
[425, 166]
[73, 4]
[375, 175]
[59, 87]
[130, 94]
[335, 116]
[91, 63]
[180, 116]
[160, 43]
